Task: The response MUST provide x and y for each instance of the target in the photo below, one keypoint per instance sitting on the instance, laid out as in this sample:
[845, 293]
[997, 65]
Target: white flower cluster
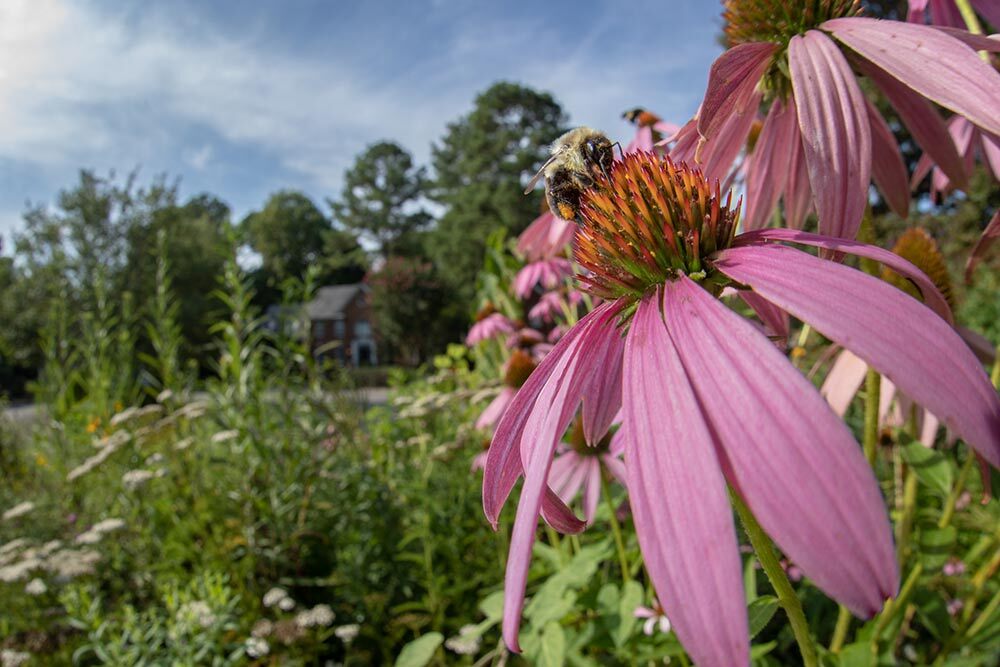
[319, 616]
[18, 510]
[274, 598]
[223, 436]
[36, 587]
[256, 647]
[34, 558]
[347, 633]
[467, 641]
[196, 611]
[9, 658]
[134, 479]
[108, 447]
[97, 532]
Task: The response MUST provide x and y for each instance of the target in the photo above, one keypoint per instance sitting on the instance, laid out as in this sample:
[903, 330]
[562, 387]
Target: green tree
[480, 167]
[289, 233]
[380, 198]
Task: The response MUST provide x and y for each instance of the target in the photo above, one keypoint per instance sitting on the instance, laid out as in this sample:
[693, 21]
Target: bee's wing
[538, 176]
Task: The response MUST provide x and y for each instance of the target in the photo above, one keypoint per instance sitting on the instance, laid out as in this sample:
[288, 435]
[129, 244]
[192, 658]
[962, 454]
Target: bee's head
[598, 154]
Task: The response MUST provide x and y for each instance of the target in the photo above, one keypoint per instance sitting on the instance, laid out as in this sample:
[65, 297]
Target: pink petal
[775, 319]
[720, 152]
[888, 170]
[685, 142]
[972, 40]
[798, 468]
[896, 334]
[798, 192]
[991, 151]
[678, 497]
[836, 137]
[615, 467]
[843, 381]
[932, 297]
[496, 408]
[922, 120]
[945, 13]
[767, 167]
[643, 140]
[591, 489]
[604, 399]
[553, 407]
[980, 345]
[989, 10]
[503, 464]
[987, 239]
[937, 66]
[731, 84]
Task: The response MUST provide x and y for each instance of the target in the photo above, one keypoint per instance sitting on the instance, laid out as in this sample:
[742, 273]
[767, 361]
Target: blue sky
[243, 98]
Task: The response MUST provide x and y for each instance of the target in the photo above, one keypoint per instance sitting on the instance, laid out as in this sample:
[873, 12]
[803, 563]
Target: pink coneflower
[579, 466]
[554, 304]
[946, 13]
[822, 141]
[519, 366]
[549, 272]
[972, 144]
[707, 400]
[546, 236]
[489, 325]
[650, 130]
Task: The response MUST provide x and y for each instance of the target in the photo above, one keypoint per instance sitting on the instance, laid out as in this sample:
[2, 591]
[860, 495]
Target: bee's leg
[563, 196]
[621, 151]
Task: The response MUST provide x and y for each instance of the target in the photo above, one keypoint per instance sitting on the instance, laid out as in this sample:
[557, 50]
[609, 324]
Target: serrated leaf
[760, 650]
[931, 468]
[550, 608]
[420, 651]
[761, 611]
[552, 647]
[631, 598]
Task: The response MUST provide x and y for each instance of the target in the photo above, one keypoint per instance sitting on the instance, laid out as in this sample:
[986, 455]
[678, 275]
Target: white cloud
[79, 87]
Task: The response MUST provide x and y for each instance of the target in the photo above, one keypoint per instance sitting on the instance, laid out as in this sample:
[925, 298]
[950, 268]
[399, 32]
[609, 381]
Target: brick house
[340, 324]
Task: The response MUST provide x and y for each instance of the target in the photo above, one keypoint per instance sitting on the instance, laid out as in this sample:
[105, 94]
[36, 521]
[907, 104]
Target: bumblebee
[578, 159]
[641, 118]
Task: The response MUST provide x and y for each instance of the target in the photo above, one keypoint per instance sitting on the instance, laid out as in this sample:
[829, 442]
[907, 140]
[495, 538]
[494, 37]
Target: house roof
[330, 302]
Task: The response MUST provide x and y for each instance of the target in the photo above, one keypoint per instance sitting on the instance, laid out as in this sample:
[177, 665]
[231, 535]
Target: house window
[319, 329]
[362, 329]
[338, 329]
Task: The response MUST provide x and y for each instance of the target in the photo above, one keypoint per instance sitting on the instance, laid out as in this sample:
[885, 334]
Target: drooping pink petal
[932, 297]
[945, 13]
[546, 236]
[893, 332]
[775, 319]
[980, 345]
[591, 489]
[767, 167]
[888, 170]
[689, 546]
[615, 467]
[643, 140]
[718, 154]
[731, 83]
[494, 324]
[602, 403]
[496, 408]
[991, 152]
[987, 239]
[972, 40]
[934, 64]
[798, 192]
[923, 122]
[503, 464]
[555, 404]
[836, 137]
[685, 142]
[791, 458]
[989, 10]
[843, 381]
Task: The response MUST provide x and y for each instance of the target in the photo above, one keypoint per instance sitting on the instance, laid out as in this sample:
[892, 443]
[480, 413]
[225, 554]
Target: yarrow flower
[466, 642]
[256, 647]
[18, 510]
[822, 141]
[707, 400]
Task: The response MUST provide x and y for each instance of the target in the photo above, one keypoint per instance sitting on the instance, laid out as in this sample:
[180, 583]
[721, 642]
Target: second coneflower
[708, 401]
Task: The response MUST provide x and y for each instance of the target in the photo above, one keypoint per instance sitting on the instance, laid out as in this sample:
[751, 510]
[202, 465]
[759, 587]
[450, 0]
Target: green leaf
[420, 651]
[552, 648]
[761, 610]
[492, 606]
[631, 598]
[607, 599]
[858, 654]
[760, 650]
[932, 469]
[936, 545]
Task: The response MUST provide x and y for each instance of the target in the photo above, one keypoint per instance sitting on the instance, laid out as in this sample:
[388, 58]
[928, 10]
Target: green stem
[616, 529]
[995, 375]
[904, 528]
[873, 386]
[840, 630]
[972, 23]
[779, 580]
[556, 543]
[949, 505]
[895, 606]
